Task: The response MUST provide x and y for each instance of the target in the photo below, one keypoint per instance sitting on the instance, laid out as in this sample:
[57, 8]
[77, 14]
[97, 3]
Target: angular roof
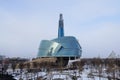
[60, 47]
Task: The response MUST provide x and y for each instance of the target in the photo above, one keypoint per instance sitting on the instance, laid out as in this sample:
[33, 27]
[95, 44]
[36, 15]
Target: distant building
[2, 57]
[1, 62]
[113, 55]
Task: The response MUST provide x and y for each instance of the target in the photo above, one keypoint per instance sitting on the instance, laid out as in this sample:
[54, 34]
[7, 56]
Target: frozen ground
[55, 75]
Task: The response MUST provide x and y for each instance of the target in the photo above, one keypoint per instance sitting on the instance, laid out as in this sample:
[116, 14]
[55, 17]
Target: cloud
[22, 34]
[101, 40]
[25, 23]
[86, 10]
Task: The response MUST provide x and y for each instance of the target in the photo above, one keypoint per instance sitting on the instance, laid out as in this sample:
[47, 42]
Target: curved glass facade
[60, 47]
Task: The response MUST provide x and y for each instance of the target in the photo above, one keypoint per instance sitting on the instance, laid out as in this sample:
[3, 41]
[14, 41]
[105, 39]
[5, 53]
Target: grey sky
[24, 23]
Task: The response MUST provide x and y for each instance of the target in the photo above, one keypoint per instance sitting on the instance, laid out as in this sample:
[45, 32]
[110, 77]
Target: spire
[61, 27]
[61, 18]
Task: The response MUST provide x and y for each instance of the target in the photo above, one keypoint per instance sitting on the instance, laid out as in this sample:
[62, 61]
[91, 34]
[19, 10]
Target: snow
[64, 75]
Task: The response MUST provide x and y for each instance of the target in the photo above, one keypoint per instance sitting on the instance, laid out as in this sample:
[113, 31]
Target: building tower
[61, 27]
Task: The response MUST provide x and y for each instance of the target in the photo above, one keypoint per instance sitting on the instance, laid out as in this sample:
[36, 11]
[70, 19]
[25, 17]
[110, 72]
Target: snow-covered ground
[54, 75]
[87, 73]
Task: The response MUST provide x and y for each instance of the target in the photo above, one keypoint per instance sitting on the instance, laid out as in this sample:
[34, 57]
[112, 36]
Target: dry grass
[39, 60]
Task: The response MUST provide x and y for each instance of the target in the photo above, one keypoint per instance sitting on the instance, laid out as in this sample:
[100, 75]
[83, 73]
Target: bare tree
[21, 66]
[13, 66]
[28, 69]
[35, 66]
